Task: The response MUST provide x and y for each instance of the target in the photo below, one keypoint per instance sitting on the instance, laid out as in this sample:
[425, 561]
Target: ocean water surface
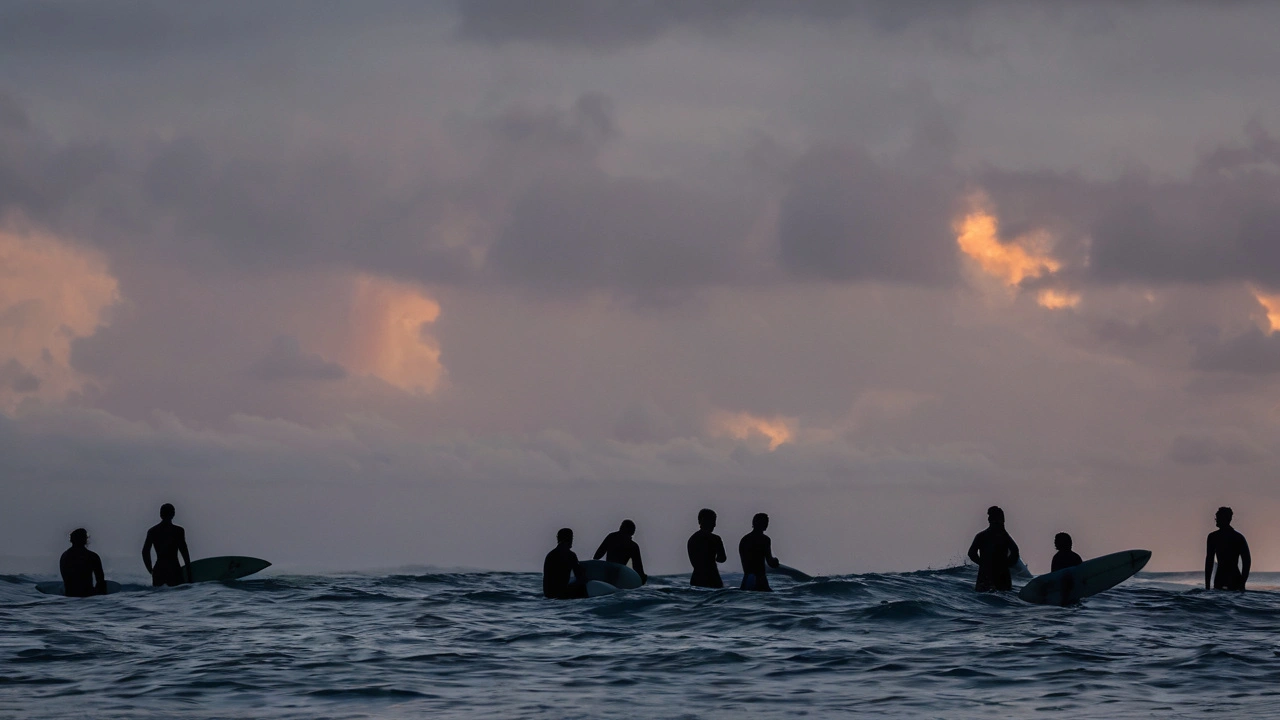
[487, 644]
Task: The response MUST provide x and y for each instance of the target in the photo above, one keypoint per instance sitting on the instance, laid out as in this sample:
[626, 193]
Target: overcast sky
[359, 285]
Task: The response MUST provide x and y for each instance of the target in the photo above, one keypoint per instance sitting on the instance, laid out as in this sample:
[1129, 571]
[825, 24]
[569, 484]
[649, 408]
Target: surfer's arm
[146, 554]
[768, 553]
[973, 552]
[637, 564]
[100, 578]
[1208, 564]
[1014, 553]
[1245, 561]
[186, 555]
[720, 554]
[600, 551]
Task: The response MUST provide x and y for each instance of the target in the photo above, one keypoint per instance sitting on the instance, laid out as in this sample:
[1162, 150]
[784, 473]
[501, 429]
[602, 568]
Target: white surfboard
[790, 572]
[619, 576]
[596, 588]
[1088, 578]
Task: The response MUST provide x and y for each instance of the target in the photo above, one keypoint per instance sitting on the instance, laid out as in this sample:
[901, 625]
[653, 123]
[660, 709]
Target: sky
[368, 285]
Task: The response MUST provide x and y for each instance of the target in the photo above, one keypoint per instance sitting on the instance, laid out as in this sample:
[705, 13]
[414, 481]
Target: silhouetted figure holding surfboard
[556, 569]
[705, 550]
[994, 552]
[168, 540]
[81, 568]
[1228, 546]
[756, 549]
[619, 547]
[1064, 558]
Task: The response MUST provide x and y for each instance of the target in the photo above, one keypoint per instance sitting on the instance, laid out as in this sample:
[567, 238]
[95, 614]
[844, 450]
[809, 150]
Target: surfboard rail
[226, 567]
[1084, 580]
[619, 576]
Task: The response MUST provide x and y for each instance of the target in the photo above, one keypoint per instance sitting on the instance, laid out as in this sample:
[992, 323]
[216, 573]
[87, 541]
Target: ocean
[486, 644]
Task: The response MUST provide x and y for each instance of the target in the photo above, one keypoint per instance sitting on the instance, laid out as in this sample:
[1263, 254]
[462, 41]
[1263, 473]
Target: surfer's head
[79, 537]
[1062, 541]
[760, 522]
[1223, 517]
[167, 512]
[628, 528]
[565, 536]
[995, 515]
[707, 519]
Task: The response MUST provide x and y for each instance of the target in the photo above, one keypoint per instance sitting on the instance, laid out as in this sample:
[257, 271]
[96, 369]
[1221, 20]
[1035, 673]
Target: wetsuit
[80, 567]
[705, 550]
[1065, 559]
[556, 568]
[756, 549]
[168, 540]
[994, 552]
[618, 547]
[1229, 548]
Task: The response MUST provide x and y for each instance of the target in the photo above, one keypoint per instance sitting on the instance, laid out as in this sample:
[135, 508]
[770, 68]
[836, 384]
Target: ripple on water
[446, 644]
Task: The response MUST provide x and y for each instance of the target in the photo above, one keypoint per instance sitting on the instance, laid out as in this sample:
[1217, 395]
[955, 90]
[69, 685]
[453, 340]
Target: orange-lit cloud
[978, 235]
[1272, 305]
[776, 430]
[388, 335]
[1057, 299]
[51, 293]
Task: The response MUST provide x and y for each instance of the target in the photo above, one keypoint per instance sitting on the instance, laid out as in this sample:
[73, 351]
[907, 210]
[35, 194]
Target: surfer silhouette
[1228, 546]
[168, 540]
[1064, 558]
[81, 568]
[994, 552]
[560, 562]
[756, 549]
[705, 550]
[619, 547]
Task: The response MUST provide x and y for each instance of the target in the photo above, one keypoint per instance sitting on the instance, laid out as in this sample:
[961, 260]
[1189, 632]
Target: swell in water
[487, 644]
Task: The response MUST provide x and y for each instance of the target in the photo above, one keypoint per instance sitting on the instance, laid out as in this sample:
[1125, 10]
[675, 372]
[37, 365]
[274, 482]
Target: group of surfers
[81, 567]
[993, 550]
[706, 552]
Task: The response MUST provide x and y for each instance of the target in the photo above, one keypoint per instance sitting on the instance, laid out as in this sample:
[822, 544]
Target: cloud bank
[442, 278]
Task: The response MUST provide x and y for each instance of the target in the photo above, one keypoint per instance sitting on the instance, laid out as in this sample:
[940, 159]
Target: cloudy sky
[370, 284]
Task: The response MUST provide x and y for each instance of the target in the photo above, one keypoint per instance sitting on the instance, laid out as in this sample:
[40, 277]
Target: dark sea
[486, 644]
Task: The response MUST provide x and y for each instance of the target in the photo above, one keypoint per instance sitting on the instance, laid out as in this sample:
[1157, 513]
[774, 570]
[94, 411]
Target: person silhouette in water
[619, 547]
[994, 552]
[1228, 546]
[168, 540]
[81, 568]
[705, 550]
[756, 549]
[1064, 558]
[557, 567]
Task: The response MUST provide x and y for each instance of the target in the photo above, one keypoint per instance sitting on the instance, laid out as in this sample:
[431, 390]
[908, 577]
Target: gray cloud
[847, 217]
[611, 24]
[1217, 224]
[142, 30]
[288, 361]
[1199, 450]
[37, 176]
[582, 129]
[1251, 353]
[16, 377]
[596, 232]
[316, 208]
